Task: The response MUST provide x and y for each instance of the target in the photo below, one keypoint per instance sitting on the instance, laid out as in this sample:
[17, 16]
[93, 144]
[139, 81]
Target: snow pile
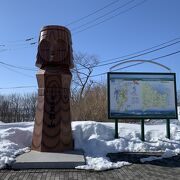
[96, 139]
[15, 138]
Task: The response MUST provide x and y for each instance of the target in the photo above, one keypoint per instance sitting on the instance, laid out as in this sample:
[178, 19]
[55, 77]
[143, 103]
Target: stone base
[46, 160]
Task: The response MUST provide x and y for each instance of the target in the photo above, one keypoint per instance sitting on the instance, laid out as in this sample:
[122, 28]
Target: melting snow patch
[167, 154]
[101, 163]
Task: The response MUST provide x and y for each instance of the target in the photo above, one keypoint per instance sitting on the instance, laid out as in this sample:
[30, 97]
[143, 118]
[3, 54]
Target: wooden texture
[55, 47]
[52, 129]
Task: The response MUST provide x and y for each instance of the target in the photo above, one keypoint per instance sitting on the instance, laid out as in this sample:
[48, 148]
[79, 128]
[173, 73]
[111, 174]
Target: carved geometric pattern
[52, 129]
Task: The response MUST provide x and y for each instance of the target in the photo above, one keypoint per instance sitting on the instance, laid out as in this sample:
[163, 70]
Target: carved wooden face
[54, 48]
[53, 51]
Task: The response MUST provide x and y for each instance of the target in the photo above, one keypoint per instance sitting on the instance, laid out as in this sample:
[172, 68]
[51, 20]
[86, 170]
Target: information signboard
[142, 95]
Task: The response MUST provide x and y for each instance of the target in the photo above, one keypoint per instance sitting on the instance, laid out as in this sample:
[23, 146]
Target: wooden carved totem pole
[52, 128]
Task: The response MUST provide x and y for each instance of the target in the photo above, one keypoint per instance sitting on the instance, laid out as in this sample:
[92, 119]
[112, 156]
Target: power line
[29, 39]
[107, 19]
[137, 52]
[19, 44]
[17, 71]
[110, 12]
[18, 48]
[119, 68]
[2, 50]
[142, 54]
[17, 67]
[121, 60]
[154, 59]
[73, 22]
[32, 38]
[16, 41]
[19, 87]
[94, 12]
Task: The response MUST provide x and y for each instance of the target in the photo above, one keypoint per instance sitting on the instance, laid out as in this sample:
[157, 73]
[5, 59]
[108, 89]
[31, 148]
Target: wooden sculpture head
[55, 48]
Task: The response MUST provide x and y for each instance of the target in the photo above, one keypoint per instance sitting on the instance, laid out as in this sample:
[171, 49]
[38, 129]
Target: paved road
[163, 169]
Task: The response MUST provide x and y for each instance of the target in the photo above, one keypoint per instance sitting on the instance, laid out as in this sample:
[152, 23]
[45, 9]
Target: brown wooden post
[52, 128]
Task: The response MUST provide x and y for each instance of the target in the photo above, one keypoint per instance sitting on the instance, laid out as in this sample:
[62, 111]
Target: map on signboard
[142, 95]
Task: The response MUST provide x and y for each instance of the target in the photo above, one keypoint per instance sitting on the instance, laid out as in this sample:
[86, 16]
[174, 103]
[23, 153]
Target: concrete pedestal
[46, 160]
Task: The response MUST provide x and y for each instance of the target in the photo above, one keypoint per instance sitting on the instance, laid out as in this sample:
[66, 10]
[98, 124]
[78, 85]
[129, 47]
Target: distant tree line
[88, 97]
[20, 108]
[17, 107]
[92, 105]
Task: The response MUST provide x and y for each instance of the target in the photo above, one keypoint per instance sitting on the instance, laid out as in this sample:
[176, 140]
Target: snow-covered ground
[96, 139]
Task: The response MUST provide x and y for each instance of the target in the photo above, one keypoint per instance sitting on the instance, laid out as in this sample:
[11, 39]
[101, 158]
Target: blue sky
[132, 29]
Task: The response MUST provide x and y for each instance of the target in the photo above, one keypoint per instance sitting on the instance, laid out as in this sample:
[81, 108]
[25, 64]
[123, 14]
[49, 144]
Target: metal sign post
[116, 129]
[142, 129]
[168, 128]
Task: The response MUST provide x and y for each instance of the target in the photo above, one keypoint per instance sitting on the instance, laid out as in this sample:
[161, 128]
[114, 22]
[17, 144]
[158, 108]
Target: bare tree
[84, 66]
[28, 106]
[93, 105]
[4, 106]
[82, 84]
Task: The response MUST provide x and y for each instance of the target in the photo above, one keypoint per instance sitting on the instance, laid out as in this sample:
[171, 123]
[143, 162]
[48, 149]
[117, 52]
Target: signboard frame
[110, 116]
